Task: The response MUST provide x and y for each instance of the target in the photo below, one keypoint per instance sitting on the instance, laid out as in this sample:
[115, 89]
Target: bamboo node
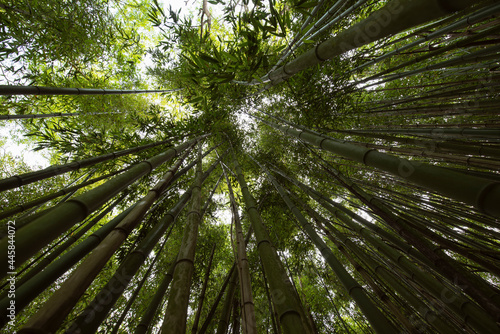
[482, 194]
[184, 260]
[82, 204]
[150, 164]
[365, 154]
[197, 212]
[262, 241]
[316, 53]
[286, 312]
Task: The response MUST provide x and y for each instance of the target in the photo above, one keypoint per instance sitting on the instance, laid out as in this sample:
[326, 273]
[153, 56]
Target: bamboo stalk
[222, 326]
[139, 286]
[22, 207]
[27, 178]
[288, 306]
[28, 291]
[38, 90]
[52, 314]
[98, 309]
[232, 275]
[194, 329]
[478, 192]
[176, 313]
[460, 305]
[396, 16]
[43, 230]
[248, 312]
[58, 114]
[376, 318]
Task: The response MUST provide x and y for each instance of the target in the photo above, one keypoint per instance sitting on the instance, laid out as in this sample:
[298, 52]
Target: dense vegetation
[308, 167]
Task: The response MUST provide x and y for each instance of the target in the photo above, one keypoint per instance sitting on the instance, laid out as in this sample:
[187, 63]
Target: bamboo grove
[314, 167]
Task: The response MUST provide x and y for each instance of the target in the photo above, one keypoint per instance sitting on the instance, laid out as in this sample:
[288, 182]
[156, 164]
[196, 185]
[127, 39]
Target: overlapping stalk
[472, 314]
[22, 207]
[375, 317]
[396, 16]
[286, 301]
[177, 306]
[54, 311]
[248, 311]
[476, 191]
[46, 228]
[23, 179]
[38, 90]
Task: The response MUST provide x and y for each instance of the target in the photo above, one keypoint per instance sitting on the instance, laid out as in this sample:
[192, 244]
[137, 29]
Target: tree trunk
[176, 313]
[52, 314]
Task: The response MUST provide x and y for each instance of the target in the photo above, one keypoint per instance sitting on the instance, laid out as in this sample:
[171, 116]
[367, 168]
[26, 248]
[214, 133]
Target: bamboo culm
[376, 318]
[51, 315]
[46, 228]
[38, 90]
[478, 192]
[289, 308]
[178, 300]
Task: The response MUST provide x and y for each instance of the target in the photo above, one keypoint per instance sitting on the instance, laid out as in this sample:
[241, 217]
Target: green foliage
[220, 73]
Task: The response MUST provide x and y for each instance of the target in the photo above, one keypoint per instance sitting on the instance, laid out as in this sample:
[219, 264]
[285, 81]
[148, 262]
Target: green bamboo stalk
[485, 10]
[454, 222]
[155, 302]
[473, 285]
[428, 85]
[49, 249]
[37, 284]
[463, 92]
[58, 114]
[227, 281]
[22, 207]
[38, 90]
[464, 148]
[211, 313]
[367, 276]
[236, 316]
[225, 315]
[374, 316]
[393, 283]
[27, 292]
[460, 305]
[139, 286]
[177, 306]
[72, 239]
[97, 310]
[400, 244]
[471, 250]
[43, 230]
[478, 192]
[462, 160]
[459, 44]
[286, 301]
[202, 294]
[272, 312]
[463, 132]
[248, 312]
[490, 123]
[203, 210]
[27, 178]
[474, 57]
[347, 329]
[394, 17]
[52, 314]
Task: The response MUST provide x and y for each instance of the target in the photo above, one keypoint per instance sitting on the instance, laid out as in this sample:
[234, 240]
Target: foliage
[221, 74]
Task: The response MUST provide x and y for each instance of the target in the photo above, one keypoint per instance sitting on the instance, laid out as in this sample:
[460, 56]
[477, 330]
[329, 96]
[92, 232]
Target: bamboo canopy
[359, 143]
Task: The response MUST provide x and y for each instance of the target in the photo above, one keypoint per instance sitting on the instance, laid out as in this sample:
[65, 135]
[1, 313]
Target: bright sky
[37, 160]
[21, 151]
